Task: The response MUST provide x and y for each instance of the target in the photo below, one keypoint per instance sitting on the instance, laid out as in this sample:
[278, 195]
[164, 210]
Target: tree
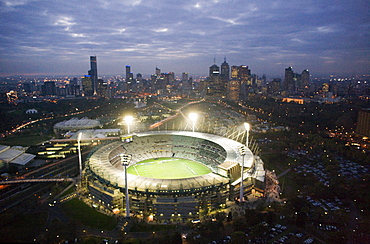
[238, 237]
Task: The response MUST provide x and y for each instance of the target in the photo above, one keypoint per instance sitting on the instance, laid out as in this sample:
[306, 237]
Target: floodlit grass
[168, 168]
[88, 216]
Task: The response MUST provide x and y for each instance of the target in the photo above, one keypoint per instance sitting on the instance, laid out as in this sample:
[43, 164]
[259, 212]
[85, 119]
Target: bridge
[21, 181]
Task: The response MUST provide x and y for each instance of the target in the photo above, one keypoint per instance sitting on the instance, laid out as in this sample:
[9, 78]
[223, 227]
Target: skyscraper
[129, 75]
[225, 71]
[87, 85]
[305, 78]
[185, 76]
[233, 90]
[288, 83]
[93, 72]
[363, 122]
[242, 73]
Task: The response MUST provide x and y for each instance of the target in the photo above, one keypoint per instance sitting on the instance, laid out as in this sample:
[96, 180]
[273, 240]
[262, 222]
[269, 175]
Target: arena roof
[14, 155]
[76, 124]
[100, 164]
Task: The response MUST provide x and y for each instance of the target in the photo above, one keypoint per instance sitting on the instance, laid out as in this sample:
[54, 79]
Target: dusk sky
[55, 37]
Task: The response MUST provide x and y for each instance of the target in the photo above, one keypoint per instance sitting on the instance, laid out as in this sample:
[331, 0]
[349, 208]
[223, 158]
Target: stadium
[172, 175]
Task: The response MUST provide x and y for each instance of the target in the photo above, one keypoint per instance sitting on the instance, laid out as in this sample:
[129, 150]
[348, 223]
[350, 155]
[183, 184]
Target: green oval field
[168, 168]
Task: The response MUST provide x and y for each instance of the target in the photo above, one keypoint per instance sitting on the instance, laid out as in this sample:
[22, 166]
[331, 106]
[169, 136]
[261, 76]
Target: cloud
[65, 21]
[264, 35]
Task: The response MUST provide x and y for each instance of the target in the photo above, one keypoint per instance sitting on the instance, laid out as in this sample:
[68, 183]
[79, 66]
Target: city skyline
[57, 38]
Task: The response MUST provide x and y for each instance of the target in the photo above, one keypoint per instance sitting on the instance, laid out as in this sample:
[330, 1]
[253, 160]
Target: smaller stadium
[173, 175]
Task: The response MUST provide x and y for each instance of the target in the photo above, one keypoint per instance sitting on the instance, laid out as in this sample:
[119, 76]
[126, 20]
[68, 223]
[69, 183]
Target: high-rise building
[93, 72]
[87, 87]
[129, 75]
[363, 122]
[214, 70]
[288, 83]
[185, 76]
[102, 88]
[243, 74]
[233, 90]
[305, 78]
[48, 88]
[215, 87]
[225, 71]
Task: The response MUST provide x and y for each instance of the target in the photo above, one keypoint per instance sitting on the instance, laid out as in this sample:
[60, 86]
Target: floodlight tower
[128, 120]
[242, 151]
[193, 118]
[125, 160]
[79, 157]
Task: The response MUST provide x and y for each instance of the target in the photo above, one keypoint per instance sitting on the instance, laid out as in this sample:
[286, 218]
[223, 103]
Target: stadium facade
[178, 199]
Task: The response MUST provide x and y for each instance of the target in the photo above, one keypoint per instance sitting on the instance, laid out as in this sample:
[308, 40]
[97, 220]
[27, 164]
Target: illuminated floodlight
[128, 120]
[193, 118]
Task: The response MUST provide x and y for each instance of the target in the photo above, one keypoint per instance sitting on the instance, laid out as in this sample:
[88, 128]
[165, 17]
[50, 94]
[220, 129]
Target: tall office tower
[128, 71]
[288, 83]
[305, 78]
[157, 71]
[363, 122]
[73, 81]
[129, 75]
[48, 88]
[185, 76]
[214, 70]
[87, 87]
[139, 76]
[225, 70]
[93, 72]
[102, 88]
[243, 74]
[215, 87]
[171, 77]
[233, 90]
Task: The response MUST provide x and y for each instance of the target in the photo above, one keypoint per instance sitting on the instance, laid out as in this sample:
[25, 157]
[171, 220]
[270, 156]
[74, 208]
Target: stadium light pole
[79, 156]
[247, 128]
[193, 118]
[125, 160]
[242, 151]
[128, 120]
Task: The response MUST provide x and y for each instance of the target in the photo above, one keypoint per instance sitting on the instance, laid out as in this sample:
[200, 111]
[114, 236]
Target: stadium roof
[76, 124]
[14, 155]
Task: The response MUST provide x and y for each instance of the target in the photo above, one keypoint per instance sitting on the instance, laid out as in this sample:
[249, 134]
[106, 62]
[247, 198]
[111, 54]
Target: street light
[193, 118]
[125, 160]
[79, 156]
[128, 120]
[243, 150]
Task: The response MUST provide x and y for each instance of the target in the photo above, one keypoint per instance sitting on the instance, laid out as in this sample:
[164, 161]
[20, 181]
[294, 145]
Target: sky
[57, 37]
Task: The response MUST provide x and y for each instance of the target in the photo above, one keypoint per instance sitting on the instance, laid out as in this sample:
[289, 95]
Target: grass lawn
[88, 216]
[168, 168]
[25, 141]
